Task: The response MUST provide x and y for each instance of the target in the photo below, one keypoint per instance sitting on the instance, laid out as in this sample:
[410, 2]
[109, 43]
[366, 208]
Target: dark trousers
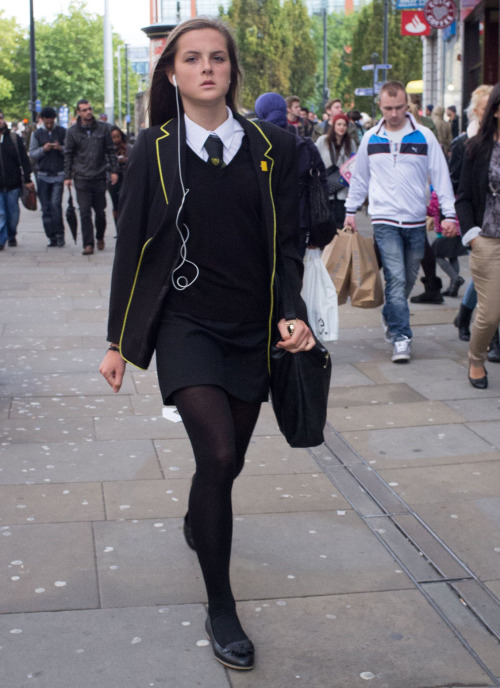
[50, 195]
[91, 194]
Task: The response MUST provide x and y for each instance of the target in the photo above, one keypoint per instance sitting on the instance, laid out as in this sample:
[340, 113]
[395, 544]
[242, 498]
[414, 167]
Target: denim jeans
[91, 194]
[401, 250]
[9, 214]
[470, 296]
[50, 195]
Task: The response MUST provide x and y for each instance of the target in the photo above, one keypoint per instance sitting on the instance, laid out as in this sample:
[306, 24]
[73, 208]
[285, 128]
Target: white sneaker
[401, 352]
[385, 327]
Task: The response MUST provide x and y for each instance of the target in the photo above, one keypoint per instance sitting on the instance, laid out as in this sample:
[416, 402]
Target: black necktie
[213, 146]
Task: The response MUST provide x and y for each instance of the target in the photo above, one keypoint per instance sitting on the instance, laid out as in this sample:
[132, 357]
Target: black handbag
[321, 229]
[334, 180]
[299, 382]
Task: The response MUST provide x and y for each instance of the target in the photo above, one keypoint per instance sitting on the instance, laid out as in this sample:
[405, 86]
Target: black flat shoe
[239, 655]
[188, 535]
[480, 382]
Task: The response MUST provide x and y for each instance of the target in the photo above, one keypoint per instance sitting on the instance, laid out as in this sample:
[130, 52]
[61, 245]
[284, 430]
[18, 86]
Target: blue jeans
[50, 195]
[470, 296]
[401, 250]
[9, 214]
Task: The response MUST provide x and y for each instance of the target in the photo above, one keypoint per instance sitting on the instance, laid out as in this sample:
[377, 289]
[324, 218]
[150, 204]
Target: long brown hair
[162, 102]
[346, 141]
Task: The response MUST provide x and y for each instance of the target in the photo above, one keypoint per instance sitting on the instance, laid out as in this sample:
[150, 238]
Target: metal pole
[119, 56]
[33, 74]
[108, 66]
[385, 58]
[325, 57]
[374, 60]
[127, 90]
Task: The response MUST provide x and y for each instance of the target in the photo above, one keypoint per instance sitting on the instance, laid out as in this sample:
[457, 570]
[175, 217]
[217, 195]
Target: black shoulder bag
[299, 382]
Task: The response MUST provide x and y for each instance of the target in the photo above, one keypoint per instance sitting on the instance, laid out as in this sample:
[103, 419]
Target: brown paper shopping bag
[365, 287]
[337, 260]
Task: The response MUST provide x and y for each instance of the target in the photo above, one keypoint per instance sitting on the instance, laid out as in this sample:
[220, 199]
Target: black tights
[219, 427]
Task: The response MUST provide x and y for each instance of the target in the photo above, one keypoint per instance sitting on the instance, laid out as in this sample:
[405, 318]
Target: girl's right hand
[112, 369]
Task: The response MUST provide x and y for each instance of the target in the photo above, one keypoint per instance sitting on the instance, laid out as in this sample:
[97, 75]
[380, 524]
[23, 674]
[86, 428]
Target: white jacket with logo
[397, 183]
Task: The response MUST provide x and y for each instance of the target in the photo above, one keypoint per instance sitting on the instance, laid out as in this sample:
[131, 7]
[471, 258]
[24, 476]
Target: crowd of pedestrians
[91, 156]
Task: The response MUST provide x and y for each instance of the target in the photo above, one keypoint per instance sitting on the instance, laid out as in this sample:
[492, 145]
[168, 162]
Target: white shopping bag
[320, 296]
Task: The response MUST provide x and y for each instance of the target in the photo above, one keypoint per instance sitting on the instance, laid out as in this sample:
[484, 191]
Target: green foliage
[69, 58]
[303, 63]
[340, 31]
[276, 47]
[405, 52]
[13, 45]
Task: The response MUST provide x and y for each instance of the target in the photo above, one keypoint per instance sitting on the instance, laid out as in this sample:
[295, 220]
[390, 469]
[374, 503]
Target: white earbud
[174, 79]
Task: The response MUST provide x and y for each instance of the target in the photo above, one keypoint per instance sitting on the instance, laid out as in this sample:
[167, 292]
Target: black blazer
[472, 189]
[148, 244]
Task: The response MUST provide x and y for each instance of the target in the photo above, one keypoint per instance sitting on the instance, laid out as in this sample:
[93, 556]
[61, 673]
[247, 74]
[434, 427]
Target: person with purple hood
[271, 107]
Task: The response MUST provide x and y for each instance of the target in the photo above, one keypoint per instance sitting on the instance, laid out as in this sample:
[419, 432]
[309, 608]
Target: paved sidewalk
[373, 560]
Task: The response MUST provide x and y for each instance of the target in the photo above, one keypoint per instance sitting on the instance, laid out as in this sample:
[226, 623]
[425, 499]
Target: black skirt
[192, 351]
[448, 247]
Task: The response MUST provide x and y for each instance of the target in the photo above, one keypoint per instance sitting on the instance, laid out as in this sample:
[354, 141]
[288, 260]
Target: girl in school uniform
[207, 201]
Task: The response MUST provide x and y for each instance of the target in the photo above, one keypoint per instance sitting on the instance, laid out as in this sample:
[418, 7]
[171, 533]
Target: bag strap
[283, 287]
[14, 138]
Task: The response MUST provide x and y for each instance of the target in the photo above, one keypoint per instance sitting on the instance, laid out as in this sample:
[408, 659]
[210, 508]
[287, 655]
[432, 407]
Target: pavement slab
[338, 554]
[346, 397]
[347, 375]
[27, 430]
[401, 447]
[479, 410]
[401, 415]
[251, 495]
[489, 430]
[71, 407]
[78, 462]
[445, 484]
[51, 503]
[50, 361]
[47, 567]
[433, 378]
[341, 647]
[471, 529]
[64, 384]
[137, 427]
[118, 648]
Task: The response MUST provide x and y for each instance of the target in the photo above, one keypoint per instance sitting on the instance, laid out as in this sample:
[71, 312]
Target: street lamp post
[33, 74]
[119, 56]
[127, 89]
[108, 66]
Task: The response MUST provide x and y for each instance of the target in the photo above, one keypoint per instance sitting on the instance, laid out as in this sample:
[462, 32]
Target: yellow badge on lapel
[263, 165]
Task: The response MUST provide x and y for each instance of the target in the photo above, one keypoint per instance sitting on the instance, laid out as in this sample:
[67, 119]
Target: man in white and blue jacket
[395, 162]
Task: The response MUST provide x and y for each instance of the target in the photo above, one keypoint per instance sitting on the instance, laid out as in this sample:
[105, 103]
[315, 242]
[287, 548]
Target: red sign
[440, 13]
[413, 23]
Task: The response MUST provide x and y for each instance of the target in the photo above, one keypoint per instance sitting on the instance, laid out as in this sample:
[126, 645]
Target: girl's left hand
[300, 340]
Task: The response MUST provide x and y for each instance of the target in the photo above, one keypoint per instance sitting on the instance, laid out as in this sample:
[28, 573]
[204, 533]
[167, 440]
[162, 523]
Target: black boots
[432, 293]
[462, 321]
[454, 287]
[493, 354]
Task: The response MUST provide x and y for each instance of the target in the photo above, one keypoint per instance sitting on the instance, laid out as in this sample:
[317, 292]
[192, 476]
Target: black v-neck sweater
[226, 242]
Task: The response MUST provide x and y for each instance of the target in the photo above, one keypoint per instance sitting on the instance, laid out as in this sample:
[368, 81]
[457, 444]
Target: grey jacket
[89, 152]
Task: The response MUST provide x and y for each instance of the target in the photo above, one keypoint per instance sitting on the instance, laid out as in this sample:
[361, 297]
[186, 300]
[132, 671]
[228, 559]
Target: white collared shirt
[230, 132]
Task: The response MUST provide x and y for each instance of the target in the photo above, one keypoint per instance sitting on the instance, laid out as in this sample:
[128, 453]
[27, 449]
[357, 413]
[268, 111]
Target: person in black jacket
[208, 200]
[89, 154]
[47, 152]
[478, 211]
[11, 179]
